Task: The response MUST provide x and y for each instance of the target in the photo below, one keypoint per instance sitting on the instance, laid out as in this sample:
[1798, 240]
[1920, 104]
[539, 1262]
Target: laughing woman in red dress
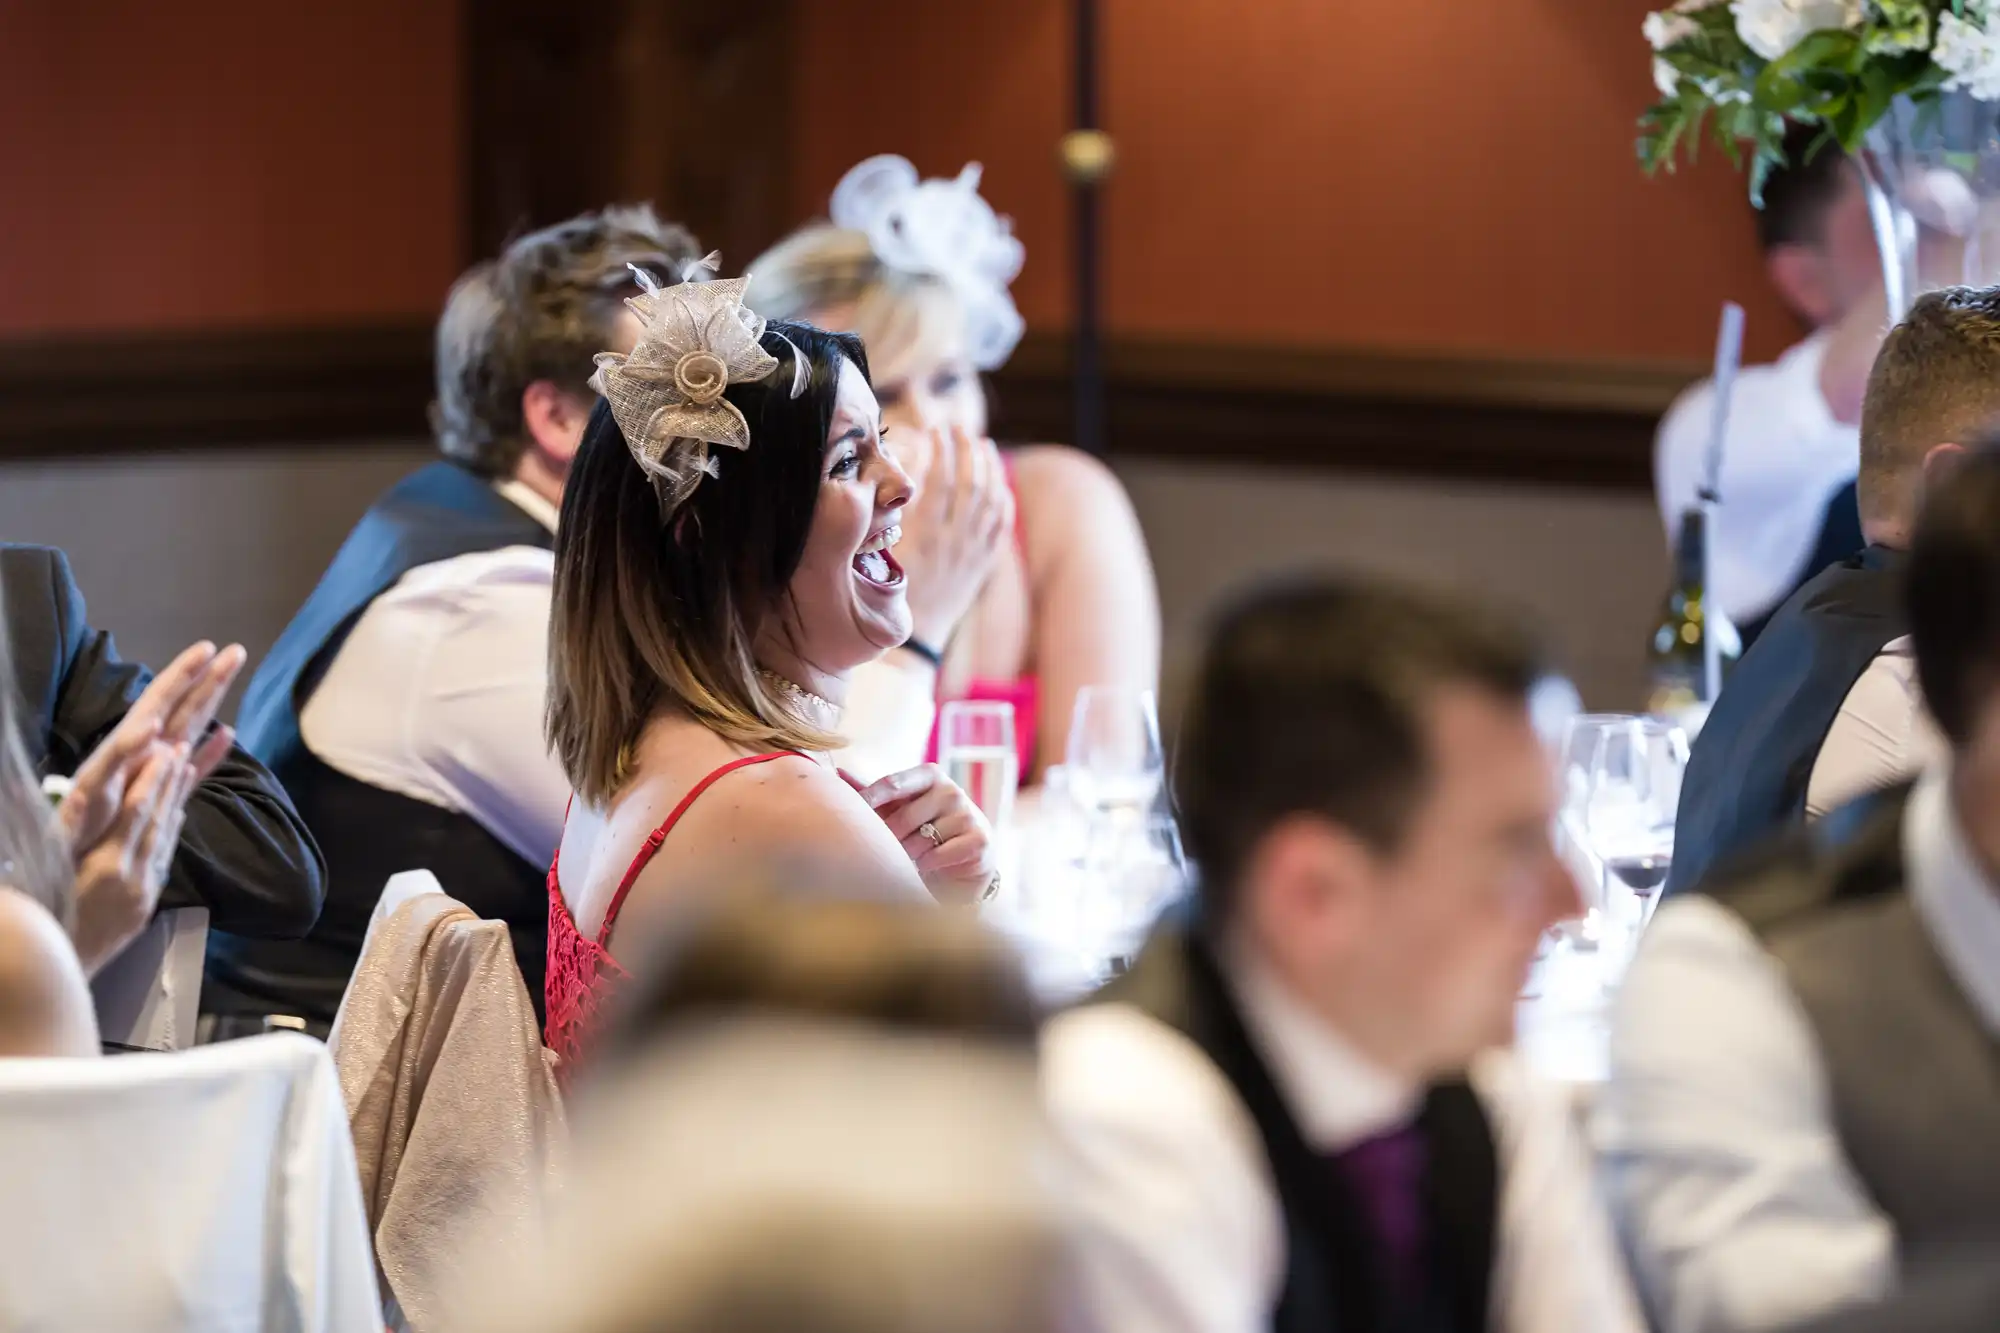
[723, 563]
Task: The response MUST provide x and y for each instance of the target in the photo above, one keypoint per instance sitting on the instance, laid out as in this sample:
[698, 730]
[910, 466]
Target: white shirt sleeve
[1679, 450]
[1721, 1155]
[478, 716]
[1881, 735]
[1558, 1266]
[1783, 458]
[887, 721]
[438, 694]
[1178, 1227]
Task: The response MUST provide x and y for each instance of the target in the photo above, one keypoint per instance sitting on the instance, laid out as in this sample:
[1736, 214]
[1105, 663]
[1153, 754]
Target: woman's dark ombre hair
[649, 612]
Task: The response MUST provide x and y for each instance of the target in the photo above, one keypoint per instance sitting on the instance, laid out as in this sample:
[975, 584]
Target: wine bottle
[1680, 688]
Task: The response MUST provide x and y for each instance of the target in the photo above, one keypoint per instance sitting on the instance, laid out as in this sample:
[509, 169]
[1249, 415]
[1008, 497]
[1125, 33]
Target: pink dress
[1024, 692]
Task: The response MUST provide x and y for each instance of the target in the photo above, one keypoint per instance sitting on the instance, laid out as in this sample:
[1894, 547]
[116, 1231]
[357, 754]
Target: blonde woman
[1026, 598]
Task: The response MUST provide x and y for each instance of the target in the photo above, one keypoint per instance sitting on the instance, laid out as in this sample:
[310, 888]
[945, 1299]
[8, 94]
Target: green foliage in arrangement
[1742, 70]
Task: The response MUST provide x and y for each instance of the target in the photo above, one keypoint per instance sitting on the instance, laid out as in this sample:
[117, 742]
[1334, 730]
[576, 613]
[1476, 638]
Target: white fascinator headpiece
[940, 229]
[696, 339]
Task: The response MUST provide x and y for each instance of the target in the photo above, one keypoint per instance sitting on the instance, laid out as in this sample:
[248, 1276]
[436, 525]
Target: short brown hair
[541, 311]
[1935, 381]
[855, 959]
[1952, 591]
[1312, 700]
[648, 615]
[1801, 190]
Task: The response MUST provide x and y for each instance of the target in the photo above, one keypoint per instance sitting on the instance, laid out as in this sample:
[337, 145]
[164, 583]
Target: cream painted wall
[171, 548]
[1588, 567]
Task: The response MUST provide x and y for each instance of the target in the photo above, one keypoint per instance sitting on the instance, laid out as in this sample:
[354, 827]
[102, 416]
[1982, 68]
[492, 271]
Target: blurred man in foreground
[819, 1115]
[1297, 1114]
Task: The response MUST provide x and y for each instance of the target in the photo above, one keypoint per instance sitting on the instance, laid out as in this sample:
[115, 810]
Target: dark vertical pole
[1089, 365]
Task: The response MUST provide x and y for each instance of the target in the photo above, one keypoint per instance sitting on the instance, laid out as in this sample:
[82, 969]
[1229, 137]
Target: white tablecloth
[1562, 1021]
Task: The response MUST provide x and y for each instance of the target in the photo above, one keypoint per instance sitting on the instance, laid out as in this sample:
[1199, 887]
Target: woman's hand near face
[958, 864]
[953, 530]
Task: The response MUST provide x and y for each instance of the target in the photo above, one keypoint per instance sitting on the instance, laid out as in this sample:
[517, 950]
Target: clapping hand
[122, 814]
[944, 833]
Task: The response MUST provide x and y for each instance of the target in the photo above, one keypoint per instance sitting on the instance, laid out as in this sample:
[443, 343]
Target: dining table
[1045, 908]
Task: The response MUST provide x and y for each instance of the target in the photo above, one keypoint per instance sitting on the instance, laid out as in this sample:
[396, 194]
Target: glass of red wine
[1633, 791]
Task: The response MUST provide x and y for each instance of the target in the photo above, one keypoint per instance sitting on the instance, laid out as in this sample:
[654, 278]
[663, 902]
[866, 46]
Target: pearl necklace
[820, 712]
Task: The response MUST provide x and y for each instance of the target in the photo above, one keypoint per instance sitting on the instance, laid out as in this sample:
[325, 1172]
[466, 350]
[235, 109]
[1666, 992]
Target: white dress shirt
[1783, 457]
[1740, 1207]
[438, 694]
[1179, 1224]
[1881, 736]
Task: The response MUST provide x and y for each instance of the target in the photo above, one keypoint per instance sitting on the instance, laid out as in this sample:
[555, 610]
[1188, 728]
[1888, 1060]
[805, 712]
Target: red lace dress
[582, 973]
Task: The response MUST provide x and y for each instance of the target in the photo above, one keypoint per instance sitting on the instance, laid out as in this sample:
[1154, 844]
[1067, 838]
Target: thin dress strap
[659, 835]
[581, 970]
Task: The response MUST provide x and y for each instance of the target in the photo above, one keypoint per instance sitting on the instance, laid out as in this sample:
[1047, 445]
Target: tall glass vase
[1933, 178]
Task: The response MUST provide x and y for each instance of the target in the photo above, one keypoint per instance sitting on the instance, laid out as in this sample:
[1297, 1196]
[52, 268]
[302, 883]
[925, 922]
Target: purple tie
[1387, 1173]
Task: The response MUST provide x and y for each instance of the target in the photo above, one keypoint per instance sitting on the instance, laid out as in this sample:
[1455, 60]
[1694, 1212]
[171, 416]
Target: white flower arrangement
[1969, 55]
[1773, 27]
[1743, 69]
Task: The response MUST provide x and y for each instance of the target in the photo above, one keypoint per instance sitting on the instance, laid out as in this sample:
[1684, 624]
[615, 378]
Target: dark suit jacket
[244, 853]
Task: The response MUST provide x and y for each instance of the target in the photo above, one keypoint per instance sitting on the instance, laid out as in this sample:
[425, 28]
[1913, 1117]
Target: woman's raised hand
[953, 530]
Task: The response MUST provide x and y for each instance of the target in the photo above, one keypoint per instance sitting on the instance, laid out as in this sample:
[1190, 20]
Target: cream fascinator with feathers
[696, 339]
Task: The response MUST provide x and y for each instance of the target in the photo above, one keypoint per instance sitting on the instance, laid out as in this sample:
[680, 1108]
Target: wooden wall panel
[686, 103]
[1425, 175]
[226, 163]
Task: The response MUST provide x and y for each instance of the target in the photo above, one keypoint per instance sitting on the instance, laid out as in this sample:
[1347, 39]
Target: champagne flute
[976, 750]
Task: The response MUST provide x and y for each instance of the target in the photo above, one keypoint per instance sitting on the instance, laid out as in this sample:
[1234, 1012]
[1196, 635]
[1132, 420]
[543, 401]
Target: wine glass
[1113, 759]
[1633, 795]
[1114, 767]
[1131, 855]
[1138, 872]
[1576, 758]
